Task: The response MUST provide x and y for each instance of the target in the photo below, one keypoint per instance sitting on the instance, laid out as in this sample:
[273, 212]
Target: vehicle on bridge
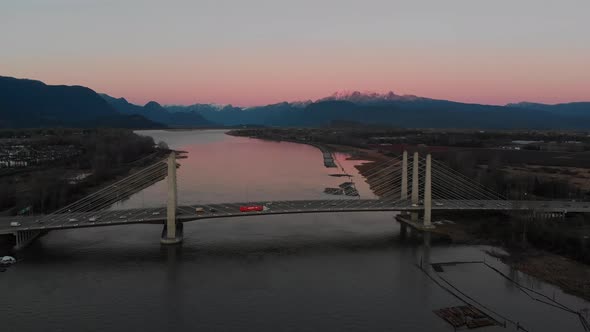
[253, 208]
[7, 260]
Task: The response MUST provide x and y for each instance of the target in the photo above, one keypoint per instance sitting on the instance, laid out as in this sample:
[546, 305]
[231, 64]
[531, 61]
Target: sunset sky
[264, 51]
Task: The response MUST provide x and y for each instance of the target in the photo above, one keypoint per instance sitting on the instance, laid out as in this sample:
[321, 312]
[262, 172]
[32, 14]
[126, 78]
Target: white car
[7, 260]
[438, 204]
[14, 224]
[122, 217]
[72, 220]
[155, 213]
[93, 219]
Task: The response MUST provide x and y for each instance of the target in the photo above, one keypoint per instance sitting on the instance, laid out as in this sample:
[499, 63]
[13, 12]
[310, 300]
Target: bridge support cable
[470, 189]
[466, 179]
[395, 182]
[451, 198]
[386, 179]
[384, 175]
[446, 195]
[388, 182]
[392, 192]
[117, 194]
[110, 194]
[390, 189]
[449, 188]
[383, 186]
[440, 198]
[121, 192]
[84, 213]
[109, 188]
[382, 165]
[459, 182]
[463, 190]
[93, 197]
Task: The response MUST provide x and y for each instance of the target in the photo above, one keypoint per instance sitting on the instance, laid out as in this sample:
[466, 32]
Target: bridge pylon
[172, 232]
[428, 193]
[415, 185]
[404, 189]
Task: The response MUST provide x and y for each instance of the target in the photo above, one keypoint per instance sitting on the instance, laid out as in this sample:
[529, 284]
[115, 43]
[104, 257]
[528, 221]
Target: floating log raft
[465, 316]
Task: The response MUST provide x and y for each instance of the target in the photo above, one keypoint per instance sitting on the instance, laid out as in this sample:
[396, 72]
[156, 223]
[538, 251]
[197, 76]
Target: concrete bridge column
[404, 191]
[24, 238]
[428, 193]
[404, 194]
[172, 234]
[415, 182]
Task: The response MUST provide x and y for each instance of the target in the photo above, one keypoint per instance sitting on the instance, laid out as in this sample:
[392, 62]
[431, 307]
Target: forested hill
[29, 103]
[158, 113]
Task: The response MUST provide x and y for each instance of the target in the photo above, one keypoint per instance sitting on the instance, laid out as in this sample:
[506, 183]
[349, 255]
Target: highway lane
[189, 212]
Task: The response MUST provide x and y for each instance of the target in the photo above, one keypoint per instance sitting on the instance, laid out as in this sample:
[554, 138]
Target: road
[188, 212]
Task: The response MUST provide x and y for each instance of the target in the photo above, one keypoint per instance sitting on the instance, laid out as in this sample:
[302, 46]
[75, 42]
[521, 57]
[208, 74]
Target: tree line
[106, 154]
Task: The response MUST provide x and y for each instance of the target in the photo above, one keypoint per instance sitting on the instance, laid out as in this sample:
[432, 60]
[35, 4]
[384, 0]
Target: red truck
[252, 208]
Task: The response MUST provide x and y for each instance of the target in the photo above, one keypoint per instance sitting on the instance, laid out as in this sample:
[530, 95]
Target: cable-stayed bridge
[414, 185]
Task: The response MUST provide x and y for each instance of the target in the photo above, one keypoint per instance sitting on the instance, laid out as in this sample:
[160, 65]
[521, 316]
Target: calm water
[325, 272]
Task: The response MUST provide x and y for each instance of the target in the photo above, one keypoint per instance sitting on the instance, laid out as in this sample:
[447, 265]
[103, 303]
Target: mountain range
[390, 109]
[155, 112]
[28, 103]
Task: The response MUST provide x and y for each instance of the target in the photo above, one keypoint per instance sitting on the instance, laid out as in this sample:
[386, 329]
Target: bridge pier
[24, 238]
[403, 230]
[172, 232]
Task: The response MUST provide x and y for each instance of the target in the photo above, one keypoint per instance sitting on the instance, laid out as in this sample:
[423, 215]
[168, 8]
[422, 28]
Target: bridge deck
[225, 210]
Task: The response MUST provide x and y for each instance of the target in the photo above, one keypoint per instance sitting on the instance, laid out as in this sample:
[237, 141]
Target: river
[309, 272]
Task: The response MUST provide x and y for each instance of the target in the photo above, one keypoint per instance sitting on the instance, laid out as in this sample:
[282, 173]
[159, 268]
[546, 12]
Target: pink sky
[261, 51]
[270, 76]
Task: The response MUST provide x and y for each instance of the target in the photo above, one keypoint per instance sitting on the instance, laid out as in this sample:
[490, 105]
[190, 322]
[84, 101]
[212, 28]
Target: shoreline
[571, 276]
[329, 161]
[7, 240]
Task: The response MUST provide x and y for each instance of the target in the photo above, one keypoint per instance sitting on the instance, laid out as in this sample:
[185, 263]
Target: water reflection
[238, 169]
[328, 272]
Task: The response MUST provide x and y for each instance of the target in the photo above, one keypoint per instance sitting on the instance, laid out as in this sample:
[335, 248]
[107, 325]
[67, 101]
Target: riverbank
[477, 229]
[329, 161]
[572, 276]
